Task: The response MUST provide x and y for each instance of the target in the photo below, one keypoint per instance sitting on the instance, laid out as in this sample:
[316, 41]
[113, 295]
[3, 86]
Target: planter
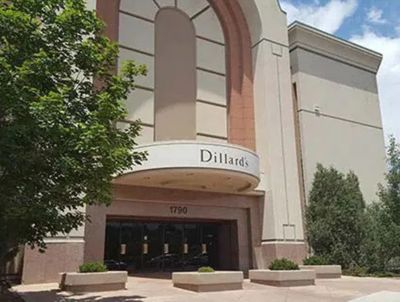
[207, 282]
[283, 278]
[325, 271]
[93, 282]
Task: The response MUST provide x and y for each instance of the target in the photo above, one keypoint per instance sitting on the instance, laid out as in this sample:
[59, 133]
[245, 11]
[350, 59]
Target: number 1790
[178, 210]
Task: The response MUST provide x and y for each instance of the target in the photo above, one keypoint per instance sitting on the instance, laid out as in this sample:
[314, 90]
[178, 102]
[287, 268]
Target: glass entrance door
[161, 246]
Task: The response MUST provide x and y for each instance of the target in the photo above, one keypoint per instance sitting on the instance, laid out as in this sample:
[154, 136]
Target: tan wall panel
[165, 3]
[211, 56]
[145, 81]
[345, 146]
[332, 70]
[91, 4]
[146, 135]
[338, 100]
[146, 9]
[136, 33]
[207, 25]
[192, 7]
[140, 105]
[211, 119]
[211, 87]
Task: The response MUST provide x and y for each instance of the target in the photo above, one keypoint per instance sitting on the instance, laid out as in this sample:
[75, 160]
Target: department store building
[237, 109]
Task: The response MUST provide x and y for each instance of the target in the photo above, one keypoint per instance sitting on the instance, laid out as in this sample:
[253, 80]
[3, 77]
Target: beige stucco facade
[247, 108]
[338, 108]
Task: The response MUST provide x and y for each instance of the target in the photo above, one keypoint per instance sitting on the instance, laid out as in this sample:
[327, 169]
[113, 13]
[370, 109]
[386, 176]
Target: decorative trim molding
[340, 119]
[270, 41]
[283, 241]
[212, 136]
[136, 50]
[212, 103]
[211, 71]
[136, 16]
[199, 13]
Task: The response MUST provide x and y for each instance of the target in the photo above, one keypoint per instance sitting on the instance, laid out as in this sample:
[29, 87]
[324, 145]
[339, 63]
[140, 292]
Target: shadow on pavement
[57, 296]
[108, 299]
[10, 297]
[158, 275]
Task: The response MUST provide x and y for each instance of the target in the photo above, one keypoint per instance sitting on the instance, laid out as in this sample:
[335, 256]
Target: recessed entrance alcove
[144, 245]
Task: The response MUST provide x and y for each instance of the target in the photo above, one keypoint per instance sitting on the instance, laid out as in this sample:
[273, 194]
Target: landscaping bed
[93, 277]
[283, 272]
[322, 268]
[324, 271]
[208, 281]
[93, 282]
[283, 278]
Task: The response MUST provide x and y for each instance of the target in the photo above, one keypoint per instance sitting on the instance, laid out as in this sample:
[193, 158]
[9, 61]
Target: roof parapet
[315, 40]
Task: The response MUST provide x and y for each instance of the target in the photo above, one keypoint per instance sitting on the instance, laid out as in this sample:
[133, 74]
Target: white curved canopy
[196, 165]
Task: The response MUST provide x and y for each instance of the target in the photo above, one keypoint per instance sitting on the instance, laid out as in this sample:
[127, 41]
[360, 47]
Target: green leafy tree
[389, 194]
[382, 243]
[373, 250]
[59, 147]
[334, 216]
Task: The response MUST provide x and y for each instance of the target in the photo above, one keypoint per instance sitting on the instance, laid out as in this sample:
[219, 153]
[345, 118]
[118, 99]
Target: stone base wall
[295, 251]
[58, 257]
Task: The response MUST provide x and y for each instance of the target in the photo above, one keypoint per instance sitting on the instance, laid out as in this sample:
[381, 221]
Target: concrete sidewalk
[157, 290]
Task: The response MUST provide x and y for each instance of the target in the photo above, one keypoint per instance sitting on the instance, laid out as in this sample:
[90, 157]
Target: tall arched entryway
[198, 209]
[239, 83]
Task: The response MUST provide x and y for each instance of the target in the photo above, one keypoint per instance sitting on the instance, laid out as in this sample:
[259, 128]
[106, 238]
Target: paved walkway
[161, 290]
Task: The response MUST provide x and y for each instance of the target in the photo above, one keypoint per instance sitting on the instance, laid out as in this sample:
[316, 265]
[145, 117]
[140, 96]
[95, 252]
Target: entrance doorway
[166, 246]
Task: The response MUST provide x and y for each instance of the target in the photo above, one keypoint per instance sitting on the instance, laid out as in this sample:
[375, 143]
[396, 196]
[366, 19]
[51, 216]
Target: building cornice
[309, 38]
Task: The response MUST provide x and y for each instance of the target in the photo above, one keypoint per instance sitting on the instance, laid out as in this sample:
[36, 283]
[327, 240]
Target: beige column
[95, 234]
[282, 230]
[282, 226]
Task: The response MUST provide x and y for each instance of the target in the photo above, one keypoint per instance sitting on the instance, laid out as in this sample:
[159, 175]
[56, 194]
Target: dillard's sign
[207, 156]
[192, 155]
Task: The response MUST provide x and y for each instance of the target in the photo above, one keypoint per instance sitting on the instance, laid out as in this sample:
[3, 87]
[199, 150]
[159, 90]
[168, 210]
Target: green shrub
[206, 269]
[381, 245]
[315, 260]
[92, 267]
[393, 265]
[283, 265]
[356, 271]
[385, 275]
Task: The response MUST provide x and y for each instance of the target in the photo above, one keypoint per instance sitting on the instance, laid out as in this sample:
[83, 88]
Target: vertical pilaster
[282, 229]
